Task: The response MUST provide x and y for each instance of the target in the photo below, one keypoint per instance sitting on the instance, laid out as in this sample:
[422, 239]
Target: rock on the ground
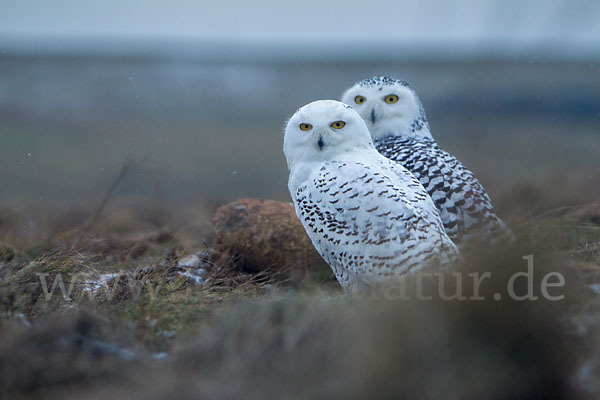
[267, 235]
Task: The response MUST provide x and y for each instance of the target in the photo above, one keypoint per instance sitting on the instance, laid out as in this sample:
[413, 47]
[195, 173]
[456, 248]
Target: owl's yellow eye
[360, 99]
[391, 99]
[305, 127]
[338, 124]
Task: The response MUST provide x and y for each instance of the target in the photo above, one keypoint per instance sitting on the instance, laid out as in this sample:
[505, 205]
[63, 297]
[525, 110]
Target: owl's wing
[463, 203]
[366, 222]
[473, 204]
[433, 174]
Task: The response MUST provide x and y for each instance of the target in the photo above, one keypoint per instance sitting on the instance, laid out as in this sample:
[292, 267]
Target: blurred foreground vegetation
[144, 320]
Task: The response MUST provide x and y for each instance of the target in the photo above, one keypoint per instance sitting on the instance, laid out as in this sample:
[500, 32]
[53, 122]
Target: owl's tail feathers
[494, 233]
[505, 234]
[449, 254]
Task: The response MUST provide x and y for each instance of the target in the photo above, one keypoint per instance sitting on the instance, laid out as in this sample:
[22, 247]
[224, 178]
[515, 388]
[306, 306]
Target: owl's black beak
[321, 143]
[373, 116]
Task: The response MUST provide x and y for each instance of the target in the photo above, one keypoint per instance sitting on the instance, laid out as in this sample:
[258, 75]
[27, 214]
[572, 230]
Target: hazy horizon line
[294, 50]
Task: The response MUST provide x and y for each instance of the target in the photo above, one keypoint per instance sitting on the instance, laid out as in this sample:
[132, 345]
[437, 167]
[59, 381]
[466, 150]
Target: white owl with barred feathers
[396, 119]
[367, 216]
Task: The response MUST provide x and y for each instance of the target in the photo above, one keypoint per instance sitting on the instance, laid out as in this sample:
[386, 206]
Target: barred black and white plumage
[396, 119]
[465, 207]
[370, 219]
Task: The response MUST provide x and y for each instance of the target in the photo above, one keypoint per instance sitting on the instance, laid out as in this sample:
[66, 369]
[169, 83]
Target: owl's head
[323, 129]
[390, 107]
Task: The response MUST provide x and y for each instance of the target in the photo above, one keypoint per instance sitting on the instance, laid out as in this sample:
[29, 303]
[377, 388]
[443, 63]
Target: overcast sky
[459, 21]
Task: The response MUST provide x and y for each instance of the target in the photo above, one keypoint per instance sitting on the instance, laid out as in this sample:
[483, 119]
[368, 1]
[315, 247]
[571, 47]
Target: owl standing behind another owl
[368, 217]
[397, 122]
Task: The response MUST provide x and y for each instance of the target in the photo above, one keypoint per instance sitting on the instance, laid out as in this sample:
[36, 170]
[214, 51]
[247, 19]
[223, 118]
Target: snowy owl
[397, 122]
[368, 217]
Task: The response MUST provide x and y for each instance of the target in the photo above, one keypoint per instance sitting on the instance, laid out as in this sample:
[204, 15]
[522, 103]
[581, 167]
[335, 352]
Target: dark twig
[122, 174]
[128, 167]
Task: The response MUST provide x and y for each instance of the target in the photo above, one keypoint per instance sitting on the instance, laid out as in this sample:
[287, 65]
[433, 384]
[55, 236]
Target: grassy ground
[155, 333]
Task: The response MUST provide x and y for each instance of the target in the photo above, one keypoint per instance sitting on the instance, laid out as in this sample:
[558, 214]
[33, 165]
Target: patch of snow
[194, 268]
[166, 333]
[112, 349]
[585, 377]
[196, 277]
[191, 261]
[160, 356]
[595, 287]
[23, 320]
[100, 282]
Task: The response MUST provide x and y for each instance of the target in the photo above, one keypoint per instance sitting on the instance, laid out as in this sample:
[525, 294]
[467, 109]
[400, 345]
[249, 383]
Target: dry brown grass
[254, 335]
